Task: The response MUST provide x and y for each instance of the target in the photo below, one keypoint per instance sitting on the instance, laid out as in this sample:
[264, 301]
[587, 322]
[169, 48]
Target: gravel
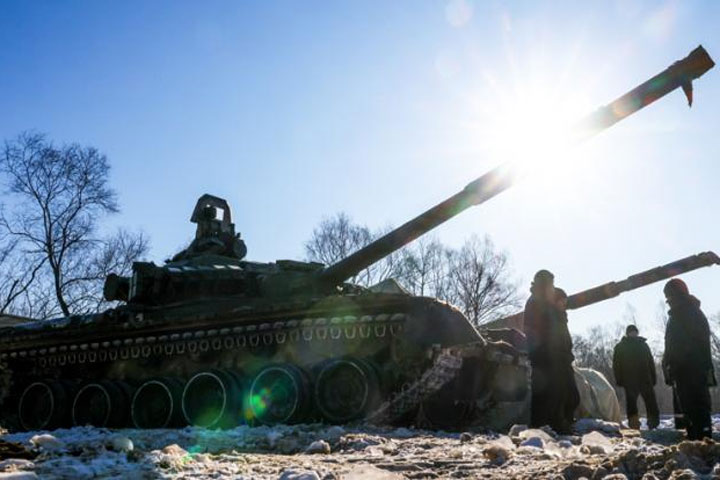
[319, 452]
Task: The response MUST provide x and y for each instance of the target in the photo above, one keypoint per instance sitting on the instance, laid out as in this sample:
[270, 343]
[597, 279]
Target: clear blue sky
[296, 110]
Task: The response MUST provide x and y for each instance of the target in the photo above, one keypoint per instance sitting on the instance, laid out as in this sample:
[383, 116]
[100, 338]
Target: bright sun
[525, 115]
[534, 131]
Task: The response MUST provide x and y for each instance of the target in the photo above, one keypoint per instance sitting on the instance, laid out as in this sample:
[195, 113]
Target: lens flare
[535, 135]
[259, 403]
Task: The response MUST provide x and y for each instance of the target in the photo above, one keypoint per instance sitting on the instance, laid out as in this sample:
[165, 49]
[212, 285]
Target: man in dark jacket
[634, 370]
[549, 349]
[536, 320]
[688, 358]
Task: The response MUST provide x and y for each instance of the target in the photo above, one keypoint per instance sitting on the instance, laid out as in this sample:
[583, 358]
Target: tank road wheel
[157, 404]
[213, 399]
[345, 389]
[44, 405]
[280, 394]
[102, 404]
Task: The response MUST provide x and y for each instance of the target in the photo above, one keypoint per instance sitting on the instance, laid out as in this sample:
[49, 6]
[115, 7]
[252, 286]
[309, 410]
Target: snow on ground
[314, 452]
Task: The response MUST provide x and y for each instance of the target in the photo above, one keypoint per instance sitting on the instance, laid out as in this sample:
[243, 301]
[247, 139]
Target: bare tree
[337, 237]
[595, 349]
[57, 196]
[661, 316]
[714, 323]
[479, 282]
[16, 276]
[423, 269]
[114, 254]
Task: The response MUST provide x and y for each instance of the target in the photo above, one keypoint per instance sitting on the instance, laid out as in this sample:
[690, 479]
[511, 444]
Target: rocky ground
[314, 452]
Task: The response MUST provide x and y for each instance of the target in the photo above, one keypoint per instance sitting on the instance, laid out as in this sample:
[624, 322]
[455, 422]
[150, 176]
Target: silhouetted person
[634, 370]
[549, 349]
[688, 359]
[536, 319]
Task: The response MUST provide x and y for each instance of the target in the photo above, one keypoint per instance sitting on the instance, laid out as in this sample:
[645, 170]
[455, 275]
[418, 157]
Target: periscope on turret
[214, 340]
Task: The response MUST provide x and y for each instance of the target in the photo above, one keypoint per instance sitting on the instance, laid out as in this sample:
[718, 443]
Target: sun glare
[534, 133]
[524, 115]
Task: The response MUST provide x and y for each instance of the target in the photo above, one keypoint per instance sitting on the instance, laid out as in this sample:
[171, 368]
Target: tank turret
[212, 265]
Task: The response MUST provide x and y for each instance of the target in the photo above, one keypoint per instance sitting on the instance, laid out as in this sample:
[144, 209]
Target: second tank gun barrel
[678, 75]
[613, 289]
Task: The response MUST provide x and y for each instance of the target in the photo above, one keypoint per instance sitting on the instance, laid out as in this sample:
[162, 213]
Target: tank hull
[400, 354]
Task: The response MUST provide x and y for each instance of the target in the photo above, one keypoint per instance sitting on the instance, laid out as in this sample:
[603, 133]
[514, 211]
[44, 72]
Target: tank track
[445, 367]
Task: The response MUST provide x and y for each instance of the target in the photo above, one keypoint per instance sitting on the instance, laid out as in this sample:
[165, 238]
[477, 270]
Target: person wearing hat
[634, 369]
[547, 350]
[688, 359]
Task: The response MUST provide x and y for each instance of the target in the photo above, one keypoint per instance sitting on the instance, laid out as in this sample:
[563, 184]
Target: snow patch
[596, 442]
[536, 433]
[18, 476]
[47, 442]
[12, 464]
[293, 475]
[318, 446]
[535, 442]
[586, 425]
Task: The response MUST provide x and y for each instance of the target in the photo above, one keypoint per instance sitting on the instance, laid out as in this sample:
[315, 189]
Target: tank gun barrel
[613, 289]
[680, 74]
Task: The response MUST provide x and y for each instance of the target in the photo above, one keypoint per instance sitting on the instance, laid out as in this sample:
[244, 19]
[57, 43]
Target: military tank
[213, 340]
